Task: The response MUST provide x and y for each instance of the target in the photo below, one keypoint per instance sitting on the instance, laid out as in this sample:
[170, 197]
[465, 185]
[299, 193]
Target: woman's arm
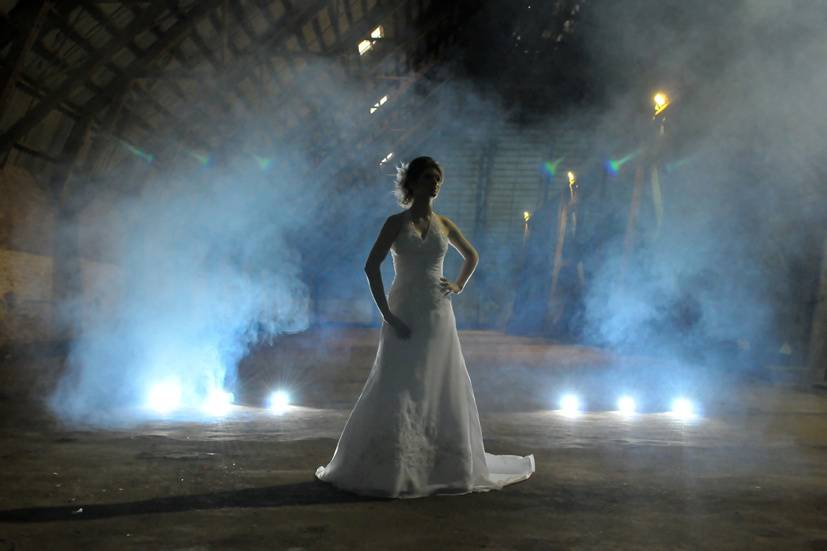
[378, 252]
[468, 252]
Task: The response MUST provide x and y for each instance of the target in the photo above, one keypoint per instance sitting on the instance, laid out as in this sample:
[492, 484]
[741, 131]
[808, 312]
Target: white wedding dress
[415, 430]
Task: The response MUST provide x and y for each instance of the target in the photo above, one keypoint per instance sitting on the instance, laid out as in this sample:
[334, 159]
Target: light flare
[614, 165]
[202, 158]
[570, 405]
[279, 402]
[165, 397]
[218, 402]
[146, 157]
[264, 163]
[626, 405]
[550, 167]
[683, 409]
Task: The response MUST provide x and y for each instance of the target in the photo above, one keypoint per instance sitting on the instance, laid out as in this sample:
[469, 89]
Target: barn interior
[189, 191]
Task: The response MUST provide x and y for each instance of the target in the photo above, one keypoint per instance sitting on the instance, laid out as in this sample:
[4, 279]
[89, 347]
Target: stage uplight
[165, 397]
[218, 403]
[683, 409]
[279, 402]
[661, 101]
[570, 405]
[626, 405]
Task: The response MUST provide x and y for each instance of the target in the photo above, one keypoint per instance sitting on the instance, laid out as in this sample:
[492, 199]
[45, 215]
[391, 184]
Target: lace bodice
[419, 260]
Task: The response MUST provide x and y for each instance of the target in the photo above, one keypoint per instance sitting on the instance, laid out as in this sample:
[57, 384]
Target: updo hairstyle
[407, 173]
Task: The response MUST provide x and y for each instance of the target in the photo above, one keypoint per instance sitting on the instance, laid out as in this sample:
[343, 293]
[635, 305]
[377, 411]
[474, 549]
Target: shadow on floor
[302, 493]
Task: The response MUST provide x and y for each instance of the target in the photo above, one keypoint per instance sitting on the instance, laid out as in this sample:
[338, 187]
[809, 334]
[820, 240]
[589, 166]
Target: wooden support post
[631, 224]
[562, 226]
[817, 358]
[67, 276]
[657, 199]
[20, 49]
[225, 40]
[484, 183]
[94, 161]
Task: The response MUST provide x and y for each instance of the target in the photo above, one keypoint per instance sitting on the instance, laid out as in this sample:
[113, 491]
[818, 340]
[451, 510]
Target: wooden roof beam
[228, 47]
[241, 17]
[102, 19]
[36, 89]
[142, 93]
[74, 80]
[33, 21]
[98, 15]
[94, 10]
[281, 33]
[212, 94]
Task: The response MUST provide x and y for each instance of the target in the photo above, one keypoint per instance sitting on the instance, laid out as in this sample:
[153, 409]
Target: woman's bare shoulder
[447, 222]
[396, 218]
[393, 222]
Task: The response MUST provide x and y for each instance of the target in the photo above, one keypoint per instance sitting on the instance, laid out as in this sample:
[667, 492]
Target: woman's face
[428, 183]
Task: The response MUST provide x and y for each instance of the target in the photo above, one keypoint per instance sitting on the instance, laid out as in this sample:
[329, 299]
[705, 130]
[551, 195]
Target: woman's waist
[422, 277]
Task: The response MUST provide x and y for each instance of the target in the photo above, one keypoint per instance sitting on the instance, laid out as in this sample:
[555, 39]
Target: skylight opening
[378, 104]
[367, 45]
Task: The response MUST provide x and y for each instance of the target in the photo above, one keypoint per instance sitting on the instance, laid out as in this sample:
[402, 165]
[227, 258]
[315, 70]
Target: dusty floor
[749, 473]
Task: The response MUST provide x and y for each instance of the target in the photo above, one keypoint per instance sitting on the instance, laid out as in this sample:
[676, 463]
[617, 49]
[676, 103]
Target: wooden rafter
[20, 49]
[102, 19]
[247, 59]
[178, 126]
[354, 32]
[171, 38]
[75, 79]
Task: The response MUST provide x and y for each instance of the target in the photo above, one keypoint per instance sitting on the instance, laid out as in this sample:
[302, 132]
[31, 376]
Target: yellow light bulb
[661, 101]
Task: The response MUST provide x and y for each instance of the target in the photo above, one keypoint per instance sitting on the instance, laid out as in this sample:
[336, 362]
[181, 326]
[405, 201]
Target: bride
[415, 430]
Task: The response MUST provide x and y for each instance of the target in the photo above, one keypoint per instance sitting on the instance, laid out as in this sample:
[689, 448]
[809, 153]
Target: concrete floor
[750, 473]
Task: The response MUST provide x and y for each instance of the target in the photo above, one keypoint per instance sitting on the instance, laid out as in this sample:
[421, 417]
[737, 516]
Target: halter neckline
[422, 237]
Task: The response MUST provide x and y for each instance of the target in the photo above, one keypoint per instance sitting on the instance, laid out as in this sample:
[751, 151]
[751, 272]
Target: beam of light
[387, 158]
[626, 405]
[279, 402]
[661, 102]
[570, 405]
[263, 162]
[677, 164]
[526, 216]
[613, 166]
[202, 158]
[550, 167]
[218, 402]
[148, 157]
[165, 397]
[683, 409]
[657, 199]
